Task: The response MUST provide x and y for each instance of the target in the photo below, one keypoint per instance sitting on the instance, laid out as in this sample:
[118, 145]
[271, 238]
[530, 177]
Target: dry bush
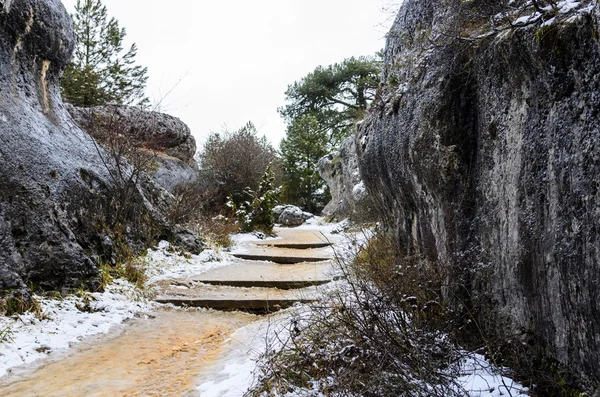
[216, 230]
[376, 335]
[132, 269]
[127, 159]
[191, 202]
[192, 207]
[233, 161]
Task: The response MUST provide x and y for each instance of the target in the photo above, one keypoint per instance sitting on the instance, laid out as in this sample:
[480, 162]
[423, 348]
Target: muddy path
[170, 352]
[162, 355]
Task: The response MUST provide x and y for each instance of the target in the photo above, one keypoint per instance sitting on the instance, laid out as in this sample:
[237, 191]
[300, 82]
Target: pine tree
[336, 95]
[99, 72]
[322, 109]
[257, 215]
[305, 143]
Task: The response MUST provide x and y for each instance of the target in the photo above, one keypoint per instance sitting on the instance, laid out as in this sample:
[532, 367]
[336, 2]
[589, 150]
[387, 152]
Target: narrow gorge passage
[167, 352]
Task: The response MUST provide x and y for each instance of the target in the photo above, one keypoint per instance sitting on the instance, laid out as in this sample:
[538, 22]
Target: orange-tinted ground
[162, 356]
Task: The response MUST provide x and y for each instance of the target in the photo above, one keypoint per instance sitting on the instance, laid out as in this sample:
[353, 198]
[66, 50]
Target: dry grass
[216, 230]
[15, 305]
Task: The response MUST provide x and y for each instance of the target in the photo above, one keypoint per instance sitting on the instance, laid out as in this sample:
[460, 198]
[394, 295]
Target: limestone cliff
[166, 136]
[58, 192]
[484, 147]
[340, 171]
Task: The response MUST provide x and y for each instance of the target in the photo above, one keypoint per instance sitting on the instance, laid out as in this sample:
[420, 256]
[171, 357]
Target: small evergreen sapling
[257, 215]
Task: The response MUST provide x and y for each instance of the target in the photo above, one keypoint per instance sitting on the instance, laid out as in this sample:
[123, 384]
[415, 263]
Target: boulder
[290, 215]
[483, 147]
[62, 204]
[166, 138]
[147, 129]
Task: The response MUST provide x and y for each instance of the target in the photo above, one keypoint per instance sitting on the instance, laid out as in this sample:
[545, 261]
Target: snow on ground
[481, 379]
[233, 375]
[164, 263]
[29, 339]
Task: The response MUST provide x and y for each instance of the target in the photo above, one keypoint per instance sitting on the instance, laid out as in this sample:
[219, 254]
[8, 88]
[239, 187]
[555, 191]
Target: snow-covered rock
[290, 215]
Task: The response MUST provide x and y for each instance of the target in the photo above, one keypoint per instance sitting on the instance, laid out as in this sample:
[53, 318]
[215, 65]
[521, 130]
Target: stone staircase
[264, 277]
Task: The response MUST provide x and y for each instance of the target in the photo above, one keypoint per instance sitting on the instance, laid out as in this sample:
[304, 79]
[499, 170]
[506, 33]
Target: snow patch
[30, 339]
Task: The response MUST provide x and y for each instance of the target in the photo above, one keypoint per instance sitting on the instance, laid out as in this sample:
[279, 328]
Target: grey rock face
[57, 190]
[150, 130]
[290, 215]
[165, 135]
[340, 170]
[171, 172]
[486, 155]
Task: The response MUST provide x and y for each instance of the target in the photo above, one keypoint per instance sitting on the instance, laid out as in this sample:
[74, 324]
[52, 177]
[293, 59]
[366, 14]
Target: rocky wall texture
[166, 138]
[484, 147]
[58, 191]
[148, 129]
[340, 171]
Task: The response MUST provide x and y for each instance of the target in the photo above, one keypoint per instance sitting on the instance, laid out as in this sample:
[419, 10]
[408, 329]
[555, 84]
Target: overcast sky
[229, 62]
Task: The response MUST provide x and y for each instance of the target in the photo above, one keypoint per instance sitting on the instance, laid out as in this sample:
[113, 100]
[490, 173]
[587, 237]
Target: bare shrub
[191, 201]
[217, 230]
[376, 335]
[233, 161]
[127, 159]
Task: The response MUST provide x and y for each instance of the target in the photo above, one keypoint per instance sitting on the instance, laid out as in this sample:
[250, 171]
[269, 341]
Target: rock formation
[165, 135]
[60, 208]
[290, 215]
[484, 147]
[340, 171]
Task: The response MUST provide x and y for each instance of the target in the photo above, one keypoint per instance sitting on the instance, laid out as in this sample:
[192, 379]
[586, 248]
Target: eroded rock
[349, 197]
[61, 200]
[486, 154]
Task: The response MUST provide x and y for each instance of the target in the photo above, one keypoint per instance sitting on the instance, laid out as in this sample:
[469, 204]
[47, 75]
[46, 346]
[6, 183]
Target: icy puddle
[163, 355]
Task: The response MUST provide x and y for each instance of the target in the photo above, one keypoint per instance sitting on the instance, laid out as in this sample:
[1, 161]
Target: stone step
[279, 284]
[254, 300]
[257, 306]
[298, 246]
[268, 275]
[281, 259]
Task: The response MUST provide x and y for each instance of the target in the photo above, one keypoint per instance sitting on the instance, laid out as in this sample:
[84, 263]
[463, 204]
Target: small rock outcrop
[151, 130]
[60, 199]
[290, 215]
[340, 170]
[484, 147]
[166, 136]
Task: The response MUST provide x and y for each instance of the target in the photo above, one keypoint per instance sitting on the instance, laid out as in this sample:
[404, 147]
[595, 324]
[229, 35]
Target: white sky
[236, 58]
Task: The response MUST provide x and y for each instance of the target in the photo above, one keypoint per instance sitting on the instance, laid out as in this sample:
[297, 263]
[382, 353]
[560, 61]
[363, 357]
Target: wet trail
[159, 356]
[170, 351]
